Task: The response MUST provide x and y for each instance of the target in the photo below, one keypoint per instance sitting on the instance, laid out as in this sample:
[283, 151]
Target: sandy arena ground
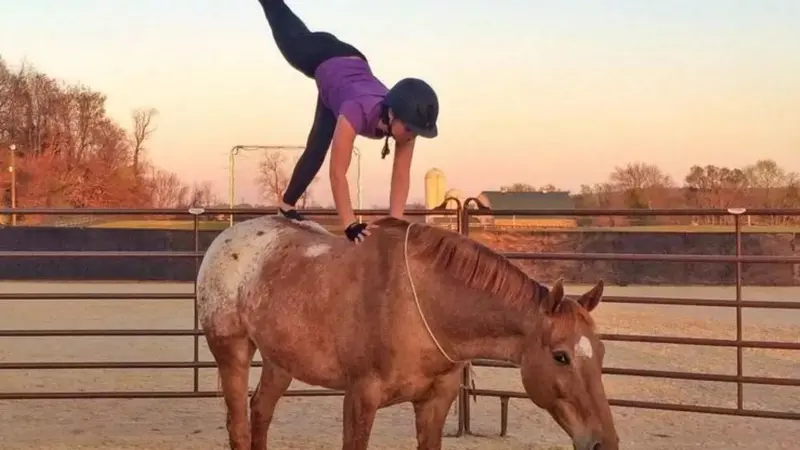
[315, 423]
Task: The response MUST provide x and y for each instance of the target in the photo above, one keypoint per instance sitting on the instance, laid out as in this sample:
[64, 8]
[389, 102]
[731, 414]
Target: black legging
[305, 50]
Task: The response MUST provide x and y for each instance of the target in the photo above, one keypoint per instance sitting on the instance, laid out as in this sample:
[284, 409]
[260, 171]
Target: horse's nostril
[596, 446]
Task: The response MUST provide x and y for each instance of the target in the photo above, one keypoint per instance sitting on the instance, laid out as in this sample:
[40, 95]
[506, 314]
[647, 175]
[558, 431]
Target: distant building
[527, 201]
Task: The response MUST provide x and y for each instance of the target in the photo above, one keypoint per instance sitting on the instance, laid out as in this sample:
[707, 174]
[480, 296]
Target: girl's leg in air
[309, 163]
[305, 50]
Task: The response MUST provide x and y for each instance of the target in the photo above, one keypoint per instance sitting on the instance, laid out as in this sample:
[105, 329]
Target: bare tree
[167, 190]
[643, 184]
[273, 178]
[518, 187]
[525, 187]
[143, 128]
[768, 183]
[202, 194]
[713, 186]
[606, 196]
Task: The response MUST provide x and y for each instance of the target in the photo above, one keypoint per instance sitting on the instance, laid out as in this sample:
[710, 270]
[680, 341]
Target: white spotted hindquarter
[231, 264]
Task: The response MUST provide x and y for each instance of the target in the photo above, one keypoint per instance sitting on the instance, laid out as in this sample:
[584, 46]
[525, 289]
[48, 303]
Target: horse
[393, 319]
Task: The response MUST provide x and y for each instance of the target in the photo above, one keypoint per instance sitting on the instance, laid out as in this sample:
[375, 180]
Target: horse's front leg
[431, 410]
[361, 402]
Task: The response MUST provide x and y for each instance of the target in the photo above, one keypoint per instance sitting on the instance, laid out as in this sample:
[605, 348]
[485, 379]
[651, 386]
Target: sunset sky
[531, 91]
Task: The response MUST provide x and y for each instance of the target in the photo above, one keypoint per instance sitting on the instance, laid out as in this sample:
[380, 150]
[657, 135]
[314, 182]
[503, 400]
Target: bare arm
[401, 178]
[341, 153]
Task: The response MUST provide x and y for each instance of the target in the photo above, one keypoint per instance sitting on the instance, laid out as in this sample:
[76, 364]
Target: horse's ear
[556, 295]
[591, 299]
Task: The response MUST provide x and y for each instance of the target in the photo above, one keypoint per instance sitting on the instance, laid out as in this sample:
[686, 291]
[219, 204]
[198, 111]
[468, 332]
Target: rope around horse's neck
[416, 297]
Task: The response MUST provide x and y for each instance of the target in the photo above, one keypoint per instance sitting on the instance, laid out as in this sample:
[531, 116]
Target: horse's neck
[476, 325]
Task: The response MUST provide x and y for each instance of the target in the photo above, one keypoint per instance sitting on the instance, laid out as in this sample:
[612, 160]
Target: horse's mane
[470, 262]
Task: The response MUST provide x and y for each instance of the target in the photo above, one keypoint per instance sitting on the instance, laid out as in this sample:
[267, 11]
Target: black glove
[356, 231]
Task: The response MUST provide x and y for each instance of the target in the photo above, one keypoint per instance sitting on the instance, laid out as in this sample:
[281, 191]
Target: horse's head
[561, 369]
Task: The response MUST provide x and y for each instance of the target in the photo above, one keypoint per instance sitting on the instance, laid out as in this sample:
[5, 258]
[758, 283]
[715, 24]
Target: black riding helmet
[415, 103]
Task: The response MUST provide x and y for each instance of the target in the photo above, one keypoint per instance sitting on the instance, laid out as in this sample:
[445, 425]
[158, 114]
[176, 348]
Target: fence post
[466, 376]
[737, 216]
[196, 213]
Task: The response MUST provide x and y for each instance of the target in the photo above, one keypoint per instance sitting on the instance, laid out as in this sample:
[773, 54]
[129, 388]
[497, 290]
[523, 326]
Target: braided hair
[385, 118]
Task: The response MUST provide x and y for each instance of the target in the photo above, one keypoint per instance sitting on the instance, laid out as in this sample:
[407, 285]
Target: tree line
[639, 185]
[71, 154]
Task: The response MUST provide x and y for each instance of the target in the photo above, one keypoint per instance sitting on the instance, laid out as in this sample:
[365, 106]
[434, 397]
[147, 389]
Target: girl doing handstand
[351, 101]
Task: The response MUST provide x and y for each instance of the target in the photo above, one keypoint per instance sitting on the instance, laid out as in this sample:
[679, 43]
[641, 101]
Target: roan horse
[391, 320]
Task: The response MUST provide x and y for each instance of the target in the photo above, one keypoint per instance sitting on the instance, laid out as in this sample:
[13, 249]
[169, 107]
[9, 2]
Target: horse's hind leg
[273, 383]
[431, 410]
[233, 355]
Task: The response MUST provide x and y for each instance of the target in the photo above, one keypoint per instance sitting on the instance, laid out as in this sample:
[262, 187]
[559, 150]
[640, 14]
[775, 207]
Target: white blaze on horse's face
[317, 250]
[584, 348]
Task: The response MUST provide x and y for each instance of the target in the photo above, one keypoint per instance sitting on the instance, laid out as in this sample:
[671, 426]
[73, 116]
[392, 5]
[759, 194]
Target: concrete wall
[183, 269]
[105, 239]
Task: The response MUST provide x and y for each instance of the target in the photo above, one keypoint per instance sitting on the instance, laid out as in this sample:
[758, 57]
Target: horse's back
[235, 258]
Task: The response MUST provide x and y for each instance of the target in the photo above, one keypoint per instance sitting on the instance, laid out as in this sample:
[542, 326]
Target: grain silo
[434, 188]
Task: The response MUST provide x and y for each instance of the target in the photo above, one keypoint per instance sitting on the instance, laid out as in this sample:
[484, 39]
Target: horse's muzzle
[588, 443]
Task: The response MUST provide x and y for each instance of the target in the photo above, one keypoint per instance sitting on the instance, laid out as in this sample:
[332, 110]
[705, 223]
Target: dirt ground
[315, 423]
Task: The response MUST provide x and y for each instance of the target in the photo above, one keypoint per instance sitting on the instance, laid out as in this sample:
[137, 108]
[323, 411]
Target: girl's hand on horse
[356, 232]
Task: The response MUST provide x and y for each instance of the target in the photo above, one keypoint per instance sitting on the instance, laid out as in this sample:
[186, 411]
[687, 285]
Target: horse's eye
[561, 357]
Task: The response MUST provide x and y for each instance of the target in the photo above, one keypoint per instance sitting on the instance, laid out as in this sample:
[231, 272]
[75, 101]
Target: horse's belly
[311, 365]
[306, 356]
[407, 389]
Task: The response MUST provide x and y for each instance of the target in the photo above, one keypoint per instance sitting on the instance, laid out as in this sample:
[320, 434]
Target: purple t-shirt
[348, 87]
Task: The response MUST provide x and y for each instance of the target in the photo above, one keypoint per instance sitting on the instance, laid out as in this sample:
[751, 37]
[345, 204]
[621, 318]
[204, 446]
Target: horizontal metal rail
[647, 373]
[688, 376]
[654, 257]
[774, 345]
[100, 332]
[84, 365]
[72, 296]
[149, 394]
[439, 211]
[511, 255]
[629, 300]
[99, 254]
[478, 211]
[765, 414]
[648, 339]
[765, 304]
